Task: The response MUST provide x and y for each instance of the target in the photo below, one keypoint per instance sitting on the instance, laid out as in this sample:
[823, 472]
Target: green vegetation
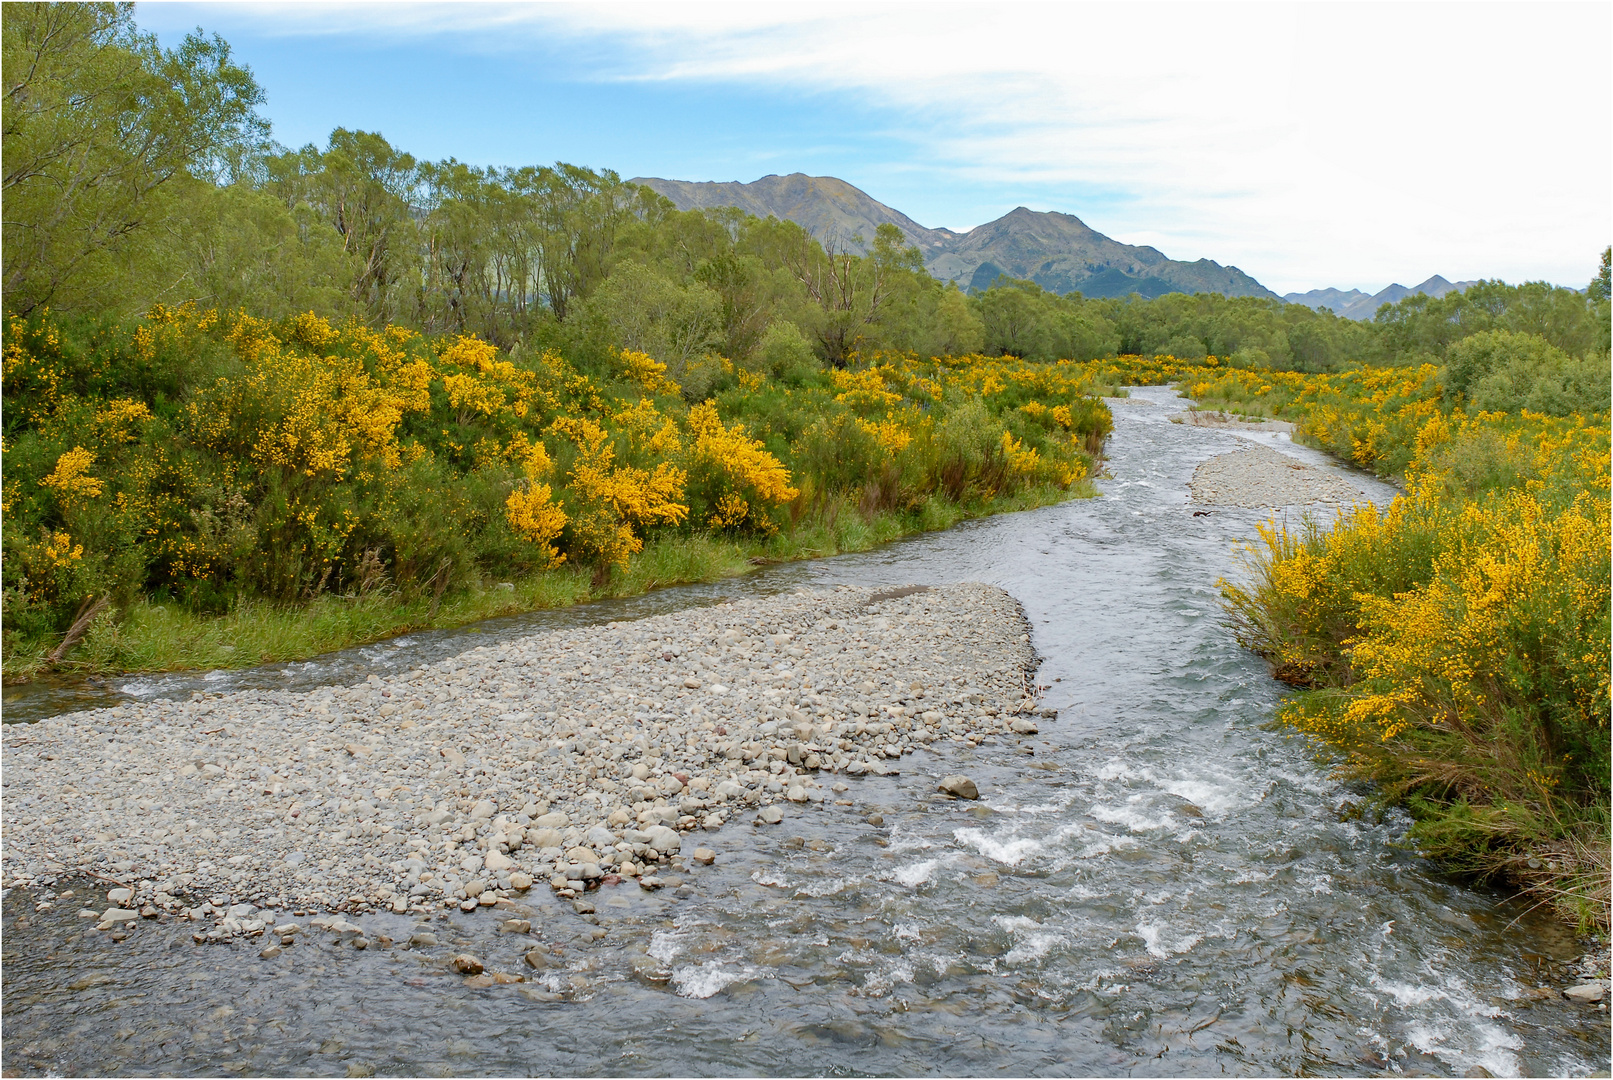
[149, 635]
[217, 463]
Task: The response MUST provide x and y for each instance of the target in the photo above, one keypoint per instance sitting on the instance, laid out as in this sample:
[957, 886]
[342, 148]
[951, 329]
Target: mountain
[1062, 254]
[1057, 251]
[828, 208]
[1356, 304]
[1334, 300]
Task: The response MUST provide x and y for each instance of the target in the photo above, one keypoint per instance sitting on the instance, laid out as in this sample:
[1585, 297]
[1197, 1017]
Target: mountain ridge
[1356, 304]
[1059, 252]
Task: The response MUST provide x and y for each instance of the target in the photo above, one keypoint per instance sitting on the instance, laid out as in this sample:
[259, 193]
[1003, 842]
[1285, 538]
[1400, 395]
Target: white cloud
[1310, 144]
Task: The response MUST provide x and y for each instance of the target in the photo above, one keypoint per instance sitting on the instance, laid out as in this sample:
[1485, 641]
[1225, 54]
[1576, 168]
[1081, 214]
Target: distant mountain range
[1356, 304]
[1057, 251]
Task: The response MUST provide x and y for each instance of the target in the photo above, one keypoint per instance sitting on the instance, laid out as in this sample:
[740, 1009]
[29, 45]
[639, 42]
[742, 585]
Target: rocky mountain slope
[1057, 251]
[828, 208]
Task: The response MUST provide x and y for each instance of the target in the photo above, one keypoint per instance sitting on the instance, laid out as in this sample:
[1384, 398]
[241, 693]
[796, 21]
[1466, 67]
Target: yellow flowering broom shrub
[1455, 646]
[203, 457]
[610, 501]
[733, 481]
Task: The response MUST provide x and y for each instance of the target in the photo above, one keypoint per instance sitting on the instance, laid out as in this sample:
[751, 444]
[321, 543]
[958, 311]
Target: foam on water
[888, 973]
[915, 874]
[1008, 852]
[903, 839]
[1115, 769]
[1107, 845]
[1032, 947]
[1134, 820]
[704, 980]
[1160, 942]
[827, 887]
[1211, 798]
[666, 944]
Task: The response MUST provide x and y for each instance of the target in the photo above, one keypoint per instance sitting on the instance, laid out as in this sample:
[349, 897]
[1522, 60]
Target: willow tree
[97, 121]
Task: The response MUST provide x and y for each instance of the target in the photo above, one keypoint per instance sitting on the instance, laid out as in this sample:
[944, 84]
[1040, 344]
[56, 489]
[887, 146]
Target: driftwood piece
[87, 611]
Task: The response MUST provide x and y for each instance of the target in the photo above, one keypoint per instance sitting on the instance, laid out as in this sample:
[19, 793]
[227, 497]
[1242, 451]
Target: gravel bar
[562, 760]
[1260, 477]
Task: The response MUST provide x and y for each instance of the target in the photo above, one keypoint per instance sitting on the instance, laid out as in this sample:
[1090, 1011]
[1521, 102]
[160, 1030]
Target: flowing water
[1166, 886]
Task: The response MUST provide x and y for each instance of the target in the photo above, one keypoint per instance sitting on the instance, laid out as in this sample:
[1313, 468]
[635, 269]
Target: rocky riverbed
[1230, 422]
[1259, 477]
[564, 760]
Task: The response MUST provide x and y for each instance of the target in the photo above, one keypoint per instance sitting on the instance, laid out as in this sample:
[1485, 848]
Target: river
[1169, 886]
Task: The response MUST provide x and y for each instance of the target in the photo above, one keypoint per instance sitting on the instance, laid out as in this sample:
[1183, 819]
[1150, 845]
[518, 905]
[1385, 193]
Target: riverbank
[448, 474]
[1451, 649]
[151, 637]
[563, 760]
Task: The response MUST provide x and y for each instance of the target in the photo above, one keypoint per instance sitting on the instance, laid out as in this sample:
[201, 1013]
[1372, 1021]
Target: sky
[1309, 144]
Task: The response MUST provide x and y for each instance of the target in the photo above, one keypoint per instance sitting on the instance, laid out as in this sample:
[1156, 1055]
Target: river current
[1166, 886]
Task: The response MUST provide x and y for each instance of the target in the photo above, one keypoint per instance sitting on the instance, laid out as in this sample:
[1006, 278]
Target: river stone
[1589, 992]
[555, 820]
[770, 815]
[704, 856]
[520, 882]
[544, 838]
[467, 964]
[663, 839]
[496, 861]
[959, 786]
